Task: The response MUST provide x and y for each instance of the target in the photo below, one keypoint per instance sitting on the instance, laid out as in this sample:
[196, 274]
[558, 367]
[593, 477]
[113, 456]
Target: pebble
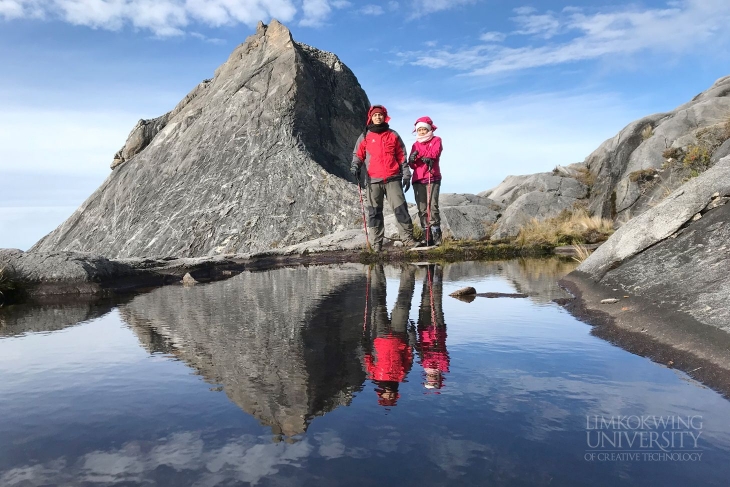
[609, 301]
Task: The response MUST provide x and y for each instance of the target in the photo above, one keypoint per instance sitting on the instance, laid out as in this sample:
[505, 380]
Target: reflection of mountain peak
[285, 344]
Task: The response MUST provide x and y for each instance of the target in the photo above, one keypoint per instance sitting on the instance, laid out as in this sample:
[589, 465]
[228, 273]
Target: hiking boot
[377, 247]
[436, 235]
[409, 243]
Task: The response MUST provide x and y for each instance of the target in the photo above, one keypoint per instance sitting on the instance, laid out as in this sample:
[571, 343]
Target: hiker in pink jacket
[424, 160]
[431, 328]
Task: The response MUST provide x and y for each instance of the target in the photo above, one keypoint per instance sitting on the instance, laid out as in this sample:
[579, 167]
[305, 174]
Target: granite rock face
[675, 254]
[648, 159]
[253, 159]
[509, 190]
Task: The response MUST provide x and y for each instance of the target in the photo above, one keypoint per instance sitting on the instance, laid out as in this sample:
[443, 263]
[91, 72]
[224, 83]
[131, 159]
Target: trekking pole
[428, 209]
[362, 208]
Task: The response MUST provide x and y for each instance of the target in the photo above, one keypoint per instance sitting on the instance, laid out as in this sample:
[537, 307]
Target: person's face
[389, 395]
[421, 130]
[377, 118]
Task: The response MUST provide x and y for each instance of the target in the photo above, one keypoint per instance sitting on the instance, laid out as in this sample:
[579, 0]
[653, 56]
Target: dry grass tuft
[568, 228]
[647, 132]
[417, 231]
[586, 177]
[581, 252]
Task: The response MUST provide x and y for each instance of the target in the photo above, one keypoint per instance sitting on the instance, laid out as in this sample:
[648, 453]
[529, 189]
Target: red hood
[370, 114]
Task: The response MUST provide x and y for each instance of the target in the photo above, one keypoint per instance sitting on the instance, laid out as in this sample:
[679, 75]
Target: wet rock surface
[665, 272]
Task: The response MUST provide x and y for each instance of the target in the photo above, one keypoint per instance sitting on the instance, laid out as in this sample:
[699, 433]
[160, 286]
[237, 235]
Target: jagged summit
[252, 159]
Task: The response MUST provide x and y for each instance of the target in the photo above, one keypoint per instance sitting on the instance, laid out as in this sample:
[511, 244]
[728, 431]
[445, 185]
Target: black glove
[429, 162]
[355, 170]
[413, 157]
[406, 183]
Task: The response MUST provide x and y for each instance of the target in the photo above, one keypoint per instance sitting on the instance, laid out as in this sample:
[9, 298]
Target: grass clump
[673, 153]
[568, 228]
[647, 132]
[581, 252]
[417, 232]
[585, 176]
[697, 158]
[642, 175]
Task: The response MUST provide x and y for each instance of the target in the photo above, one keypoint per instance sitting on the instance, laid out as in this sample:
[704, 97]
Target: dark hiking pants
[393, 191]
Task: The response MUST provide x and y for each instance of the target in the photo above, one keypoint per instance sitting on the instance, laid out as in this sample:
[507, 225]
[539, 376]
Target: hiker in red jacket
[432, 329]
[383, 153]
[389, 356]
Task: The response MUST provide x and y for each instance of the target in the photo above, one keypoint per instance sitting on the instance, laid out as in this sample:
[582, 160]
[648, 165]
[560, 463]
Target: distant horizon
[513, 90]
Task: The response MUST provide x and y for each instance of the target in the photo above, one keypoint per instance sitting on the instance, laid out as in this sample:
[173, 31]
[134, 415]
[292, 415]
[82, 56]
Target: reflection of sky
[89, 404]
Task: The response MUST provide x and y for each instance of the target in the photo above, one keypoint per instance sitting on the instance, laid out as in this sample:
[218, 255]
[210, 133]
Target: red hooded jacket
[384, 154]
[392, 361]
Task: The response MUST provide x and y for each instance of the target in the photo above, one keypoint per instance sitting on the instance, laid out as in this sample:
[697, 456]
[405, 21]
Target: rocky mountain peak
[253, 159]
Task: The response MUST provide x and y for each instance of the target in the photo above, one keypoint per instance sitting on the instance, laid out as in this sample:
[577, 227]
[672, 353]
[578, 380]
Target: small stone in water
[464, 291]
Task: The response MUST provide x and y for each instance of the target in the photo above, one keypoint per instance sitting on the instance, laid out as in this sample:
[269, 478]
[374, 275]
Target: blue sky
[515, 87]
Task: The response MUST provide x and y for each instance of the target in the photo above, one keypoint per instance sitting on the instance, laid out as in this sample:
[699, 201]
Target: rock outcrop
[253, 159]
[628, 173]
[675, 255]
[652, 156]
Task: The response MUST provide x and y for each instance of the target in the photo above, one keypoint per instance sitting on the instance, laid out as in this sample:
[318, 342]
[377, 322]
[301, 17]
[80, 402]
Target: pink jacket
[433, 348]
[431, 149]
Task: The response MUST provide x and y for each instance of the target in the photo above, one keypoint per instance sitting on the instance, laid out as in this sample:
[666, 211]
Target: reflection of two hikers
[391, 341]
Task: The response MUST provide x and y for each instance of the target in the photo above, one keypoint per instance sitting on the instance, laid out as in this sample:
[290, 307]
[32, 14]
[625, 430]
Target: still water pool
[345, 375]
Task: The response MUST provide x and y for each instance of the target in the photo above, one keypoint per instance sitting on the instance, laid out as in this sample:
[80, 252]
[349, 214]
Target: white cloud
[315, 12]
[371, 9]
[163, 18]
[420, 8]
[681, 27]
[204, 38]
[546, 25]
[493, 36]
[16, 9]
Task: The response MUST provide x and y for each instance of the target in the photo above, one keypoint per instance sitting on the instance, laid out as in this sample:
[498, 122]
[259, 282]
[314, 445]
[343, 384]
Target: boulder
[253, 159]
[468, 222]
[509, 190]
[660, 222]
[61, 267]
[465, 199]
[537, 205]
[674, 255]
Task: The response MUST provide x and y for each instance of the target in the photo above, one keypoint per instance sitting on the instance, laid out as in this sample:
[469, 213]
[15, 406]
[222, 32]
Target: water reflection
[432, 329]
[515, 382]
[39, 318]
[389, 355]
[284, 344]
